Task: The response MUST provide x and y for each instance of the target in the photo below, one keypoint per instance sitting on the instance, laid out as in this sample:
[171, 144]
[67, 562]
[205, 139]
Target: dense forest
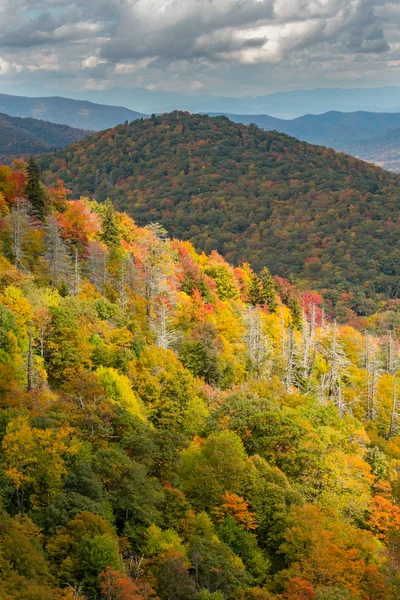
[367, 135]
[24, 137]
[175, 428]
[327, 219]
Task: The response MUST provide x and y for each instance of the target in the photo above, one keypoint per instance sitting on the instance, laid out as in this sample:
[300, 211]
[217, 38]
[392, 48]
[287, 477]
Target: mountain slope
[75, 113]
[253, 195]
[370, 136]
[23, 137]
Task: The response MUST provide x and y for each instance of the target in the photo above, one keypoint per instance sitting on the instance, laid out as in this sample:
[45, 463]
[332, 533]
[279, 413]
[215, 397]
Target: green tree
[35, 192]
[213, 468]
[111, 234]
[269, 289]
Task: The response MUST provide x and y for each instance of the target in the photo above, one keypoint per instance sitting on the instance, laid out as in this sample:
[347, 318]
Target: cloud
[91, 62]
[213, 45]
[243, 31]
[46, 30]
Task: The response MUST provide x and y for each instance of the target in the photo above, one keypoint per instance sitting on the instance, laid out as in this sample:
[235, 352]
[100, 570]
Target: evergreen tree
[111, 234]
[255, 293]
[35, 192]
[269, 290]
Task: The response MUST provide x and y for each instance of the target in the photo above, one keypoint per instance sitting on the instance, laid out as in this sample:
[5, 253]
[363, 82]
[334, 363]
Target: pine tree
[255, 293]
[111, 234]
[35, 192]
[269, 290]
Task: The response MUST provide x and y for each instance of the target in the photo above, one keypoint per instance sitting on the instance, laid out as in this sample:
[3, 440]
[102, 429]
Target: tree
[118, 586]
[34, 460]
[214, 467]
[35, 192]
[238, 508]
[57, 254]
[269, 289]
[84, 549]
[256, 341]
[20, 232]
[110, 234]
[174, 581]
[63, 342]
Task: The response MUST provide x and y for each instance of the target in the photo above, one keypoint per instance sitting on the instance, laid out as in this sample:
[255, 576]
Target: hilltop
[367, 135]
[263, 197]
[23, 137]
[65, 111]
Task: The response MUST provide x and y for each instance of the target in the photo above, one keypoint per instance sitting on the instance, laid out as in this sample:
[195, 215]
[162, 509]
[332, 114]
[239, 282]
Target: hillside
[370, 136]
[174, 428]
[256, 196]
[75, 113]
[23, 137]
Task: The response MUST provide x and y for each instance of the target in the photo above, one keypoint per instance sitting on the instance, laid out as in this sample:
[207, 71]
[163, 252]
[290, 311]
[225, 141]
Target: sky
[218, 47]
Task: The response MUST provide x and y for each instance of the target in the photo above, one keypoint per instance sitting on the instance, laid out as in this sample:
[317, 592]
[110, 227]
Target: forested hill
[23, 137]
[371, 136]
[253, 195]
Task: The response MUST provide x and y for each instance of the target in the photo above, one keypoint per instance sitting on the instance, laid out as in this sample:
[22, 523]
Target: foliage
[172, 427]
[255, 196]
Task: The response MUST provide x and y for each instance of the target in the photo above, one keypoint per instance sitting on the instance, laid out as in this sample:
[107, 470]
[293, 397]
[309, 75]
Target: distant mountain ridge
[374, 137]
[75, 113]
[256, 196]
[25, 136]
[284, 104]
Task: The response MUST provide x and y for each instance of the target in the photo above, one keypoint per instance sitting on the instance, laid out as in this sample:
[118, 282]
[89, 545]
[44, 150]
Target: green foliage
[27, 136]
[255, 196]
[110, 234]
[35, 192]
[148, 459]
[211, 469]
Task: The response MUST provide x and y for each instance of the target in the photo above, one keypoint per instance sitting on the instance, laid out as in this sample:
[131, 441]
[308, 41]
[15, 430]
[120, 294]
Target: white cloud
[91, 62]
[134, 66]
[4, 66]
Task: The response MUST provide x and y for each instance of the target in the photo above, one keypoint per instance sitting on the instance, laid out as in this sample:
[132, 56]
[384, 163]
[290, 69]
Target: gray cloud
[217, 46]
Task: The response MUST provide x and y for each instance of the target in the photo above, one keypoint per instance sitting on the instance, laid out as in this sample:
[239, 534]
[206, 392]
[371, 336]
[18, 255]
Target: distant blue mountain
[285, 105]
[75, 113]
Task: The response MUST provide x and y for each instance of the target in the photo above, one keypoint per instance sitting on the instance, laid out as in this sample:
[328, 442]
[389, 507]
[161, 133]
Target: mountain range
[285, 105]
[370, 136]
[26, 136]
[256, 196]
[75, 113]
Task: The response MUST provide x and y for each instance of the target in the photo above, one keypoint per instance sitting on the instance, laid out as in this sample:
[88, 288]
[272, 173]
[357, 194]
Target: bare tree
[56, 253]
[256, 341]
[392, 366]
[19, 222]
[334, 353]
[162, 322]
[156, 265]
[97, 263]
[76, 272]
[372, 367]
